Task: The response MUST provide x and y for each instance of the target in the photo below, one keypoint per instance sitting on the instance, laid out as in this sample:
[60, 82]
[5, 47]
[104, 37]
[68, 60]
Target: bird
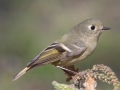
[71, 48]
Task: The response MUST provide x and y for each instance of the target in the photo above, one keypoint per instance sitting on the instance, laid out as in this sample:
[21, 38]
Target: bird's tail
[20, 73]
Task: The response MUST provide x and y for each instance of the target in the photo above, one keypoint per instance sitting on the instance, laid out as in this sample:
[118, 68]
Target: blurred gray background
[28, 26]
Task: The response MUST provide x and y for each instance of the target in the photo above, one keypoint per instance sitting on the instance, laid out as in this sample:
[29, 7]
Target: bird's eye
[92, 27]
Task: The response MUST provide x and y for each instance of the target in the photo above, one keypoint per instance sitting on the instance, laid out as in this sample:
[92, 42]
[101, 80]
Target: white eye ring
[92, 27]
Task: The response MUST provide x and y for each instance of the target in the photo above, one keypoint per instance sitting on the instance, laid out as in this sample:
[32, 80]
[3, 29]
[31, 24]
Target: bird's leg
[70, 74]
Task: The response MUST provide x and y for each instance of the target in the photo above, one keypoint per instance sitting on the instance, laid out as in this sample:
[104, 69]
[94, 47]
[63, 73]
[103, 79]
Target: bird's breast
[89, 50]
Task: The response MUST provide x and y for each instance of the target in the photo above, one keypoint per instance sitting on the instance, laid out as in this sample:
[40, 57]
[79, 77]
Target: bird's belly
[77, 59]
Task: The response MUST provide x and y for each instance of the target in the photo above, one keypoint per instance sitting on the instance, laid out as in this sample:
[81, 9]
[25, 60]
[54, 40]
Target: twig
[86, 80]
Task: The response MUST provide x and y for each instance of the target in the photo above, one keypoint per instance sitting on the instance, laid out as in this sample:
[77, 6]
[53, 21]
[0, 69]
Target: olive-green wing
[51, 54]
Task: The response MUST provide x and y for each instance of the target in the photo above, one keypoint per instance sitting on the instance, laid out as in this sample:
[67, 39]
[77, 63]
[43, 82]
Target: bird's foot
[70, 74]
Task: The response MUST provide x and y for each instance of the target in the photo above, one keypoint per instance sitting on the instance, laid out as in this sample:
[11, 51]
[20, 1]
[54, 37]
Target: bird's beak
[105, 28]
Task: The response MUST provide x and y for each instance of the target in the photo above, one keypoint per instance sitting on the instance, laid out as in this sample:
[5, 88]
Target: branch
[86, 80]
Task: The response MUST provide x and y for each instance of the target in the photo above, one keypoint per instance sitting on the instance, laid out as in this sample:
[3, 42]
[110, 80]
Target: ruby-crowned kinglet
[71, 48]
